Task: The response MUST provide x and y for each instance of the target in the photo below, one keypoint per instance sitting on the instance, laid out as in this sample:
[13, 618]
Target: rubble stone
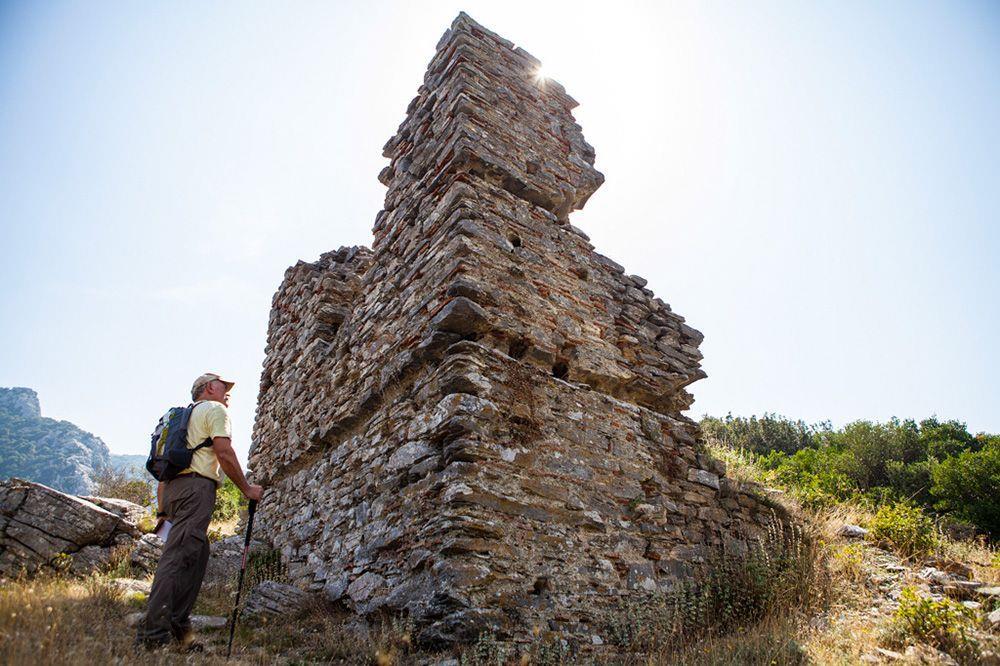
[275, 599]
[852, 531]
[38, 525]
[145, 554]
[463, 422]
[130, 512]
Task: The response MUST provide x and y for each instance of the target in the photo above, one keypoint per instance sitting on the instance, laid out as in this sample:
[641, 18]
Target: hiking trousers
[190, 501]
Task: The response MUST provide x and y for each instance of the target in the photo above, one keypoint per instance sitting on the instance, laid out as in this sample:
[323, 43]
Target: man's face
[216, 390]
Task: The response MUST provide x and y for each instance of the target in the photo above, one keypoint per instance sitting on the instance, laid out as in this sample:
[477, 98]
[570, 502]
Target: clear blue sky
[815, 186]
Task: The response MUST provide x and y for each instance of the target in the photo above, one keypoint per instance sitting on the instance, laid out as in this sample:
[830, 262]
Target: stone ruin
[478, 422]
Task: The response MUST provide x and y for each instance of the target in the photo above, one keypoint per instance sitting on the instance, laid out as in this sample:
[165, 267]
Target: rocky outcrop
[145, 554]
[130, 512]
[274, 599]
[21, 402]
[479, 421]
[55, 453]
[42, 528]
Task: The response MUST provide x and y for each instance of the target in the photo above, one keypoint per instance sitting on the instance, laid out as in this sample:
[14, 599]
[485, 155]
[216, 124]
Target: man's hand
[254, 492]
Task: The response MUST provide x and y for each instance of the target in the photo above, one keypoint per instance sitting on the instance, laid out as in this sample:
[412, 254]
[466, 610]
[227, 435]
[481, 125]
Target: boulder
[852, 531]
[131, 585]
[198, 622]
[992, 592]
[925, 654]
[954, 567]
[146, 553]
[224, 562]
[89, 558]
[38, 525]
[275, 599]
[130, 512]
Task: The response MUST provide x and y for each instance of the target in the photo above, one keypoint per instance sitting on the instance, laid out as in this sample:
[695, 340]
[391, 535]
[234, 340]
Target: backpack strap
[187, 417]
[207, 442]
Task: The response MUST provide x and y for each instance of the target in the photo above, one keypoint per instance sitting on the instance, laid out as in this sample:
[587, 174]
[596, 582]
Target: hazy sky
[814, 186]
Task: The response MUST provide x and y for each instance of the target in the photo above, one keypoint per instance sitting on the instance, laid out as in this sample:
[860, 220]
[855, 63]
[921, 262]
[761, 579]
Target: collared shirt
[209, 419]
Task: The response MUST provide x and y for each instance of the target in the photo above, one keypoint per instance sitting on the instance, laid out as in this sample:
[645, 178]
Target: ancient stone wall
[478, 422]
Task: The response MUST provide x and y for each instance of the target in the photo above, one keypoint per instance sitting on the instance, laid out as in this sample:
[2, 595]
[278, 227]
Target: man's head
[211, 386]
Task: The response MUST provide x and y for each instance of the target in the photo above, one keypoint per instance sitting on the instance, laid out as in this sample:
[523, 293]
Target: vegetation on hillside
[55, 453]
[937, 466]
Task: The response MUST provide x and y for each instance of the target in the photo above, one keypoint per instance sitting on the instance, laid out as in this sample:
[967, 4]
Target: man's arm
[223, 447]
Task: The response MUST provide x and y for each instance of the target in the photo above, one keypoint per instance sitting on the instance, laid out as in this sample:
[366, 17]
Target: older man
[188, 501]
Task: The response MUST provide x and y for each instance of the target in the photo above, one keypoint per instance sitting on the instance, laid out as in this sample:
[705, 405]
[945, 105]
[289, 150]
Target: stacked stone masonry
[478, 422]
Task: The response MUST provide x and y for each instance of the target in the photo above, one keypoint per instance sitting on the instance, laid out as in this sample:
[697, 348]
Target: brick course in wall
[478, 422]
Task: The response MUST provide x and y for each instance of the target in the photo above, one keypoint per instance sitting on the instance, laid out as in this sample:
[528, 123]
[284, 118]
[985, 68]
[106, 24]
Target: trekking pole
[251, 509]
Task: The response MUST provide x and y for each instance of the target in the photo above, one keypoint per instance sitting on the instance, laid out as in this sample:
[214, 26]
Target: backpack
[169, 454]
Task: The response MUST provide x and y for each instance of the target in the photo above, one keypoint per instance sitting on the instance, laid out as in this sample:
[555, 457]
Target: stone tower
[478, 421]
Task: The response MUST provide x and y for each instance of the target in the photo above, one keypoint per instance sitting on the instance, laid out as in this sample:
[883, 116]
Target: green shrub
[771, 432]
[228, 502]
[123, 484]
[813, 476]
[904, 528]
[944, 624]
[936, 465]
[265, 564]
[968, 486]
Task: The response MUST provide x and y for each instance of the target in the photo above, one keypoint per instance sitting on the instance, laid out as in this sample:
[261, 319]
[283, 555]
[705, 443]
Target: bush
[121, 484]
[813, 477]
[968, 485]
[771, 432]
[944, 624]
[904, 528]
[937, 465]
[228, 501]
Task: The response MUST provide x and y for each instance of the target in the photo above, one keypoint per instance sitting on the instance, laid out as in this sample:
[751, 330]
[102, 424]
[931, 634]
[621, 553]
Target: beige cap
[206, 378]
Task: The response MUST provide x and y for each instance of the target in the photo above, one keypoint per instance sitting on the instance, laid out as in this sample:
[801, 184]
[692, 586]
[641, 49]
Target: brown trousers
[190, 501]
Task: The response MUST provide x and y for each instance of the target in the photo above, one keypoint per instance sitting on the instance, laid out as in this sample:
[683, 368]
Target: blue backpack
[169, 454]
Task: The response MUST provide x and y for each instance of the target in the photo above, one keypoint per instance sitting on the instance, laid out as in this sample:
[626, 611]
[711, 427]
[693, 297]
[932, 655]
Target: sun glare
[541, 76]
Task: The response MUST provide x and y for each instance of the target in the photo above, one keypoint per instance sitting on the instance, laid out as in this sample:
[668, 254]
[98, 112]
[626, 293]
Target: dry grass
[56, 620]
[827, 608]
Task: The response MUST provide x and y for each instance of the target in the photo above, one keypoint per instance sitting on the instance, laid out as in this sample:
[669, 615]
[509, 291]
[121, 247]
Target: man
[188, 501]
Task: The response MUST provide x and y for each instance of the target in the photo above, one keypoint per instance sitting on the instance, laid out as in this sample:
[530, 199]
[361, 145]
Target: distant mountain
[127, 462]
[35, 448]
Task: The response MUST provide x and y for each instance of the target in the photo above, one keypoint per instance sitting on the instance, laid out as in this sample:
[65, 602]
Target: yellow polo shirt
[209, 419]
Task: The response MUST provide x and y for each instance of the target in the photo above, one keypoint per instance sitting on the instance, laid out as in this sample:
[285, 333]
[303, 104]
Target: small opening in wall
[514, 239]
[560, 370]
[518, 348]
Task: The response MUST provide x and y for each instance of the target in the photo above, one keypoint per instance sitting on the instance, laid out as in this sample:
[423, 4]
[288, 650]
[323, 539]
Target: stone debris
[994, 618]
[131, 585]
[145, 554]
[224, 561]
[891, 655]
[852, 531]
[42, 528]
[478, 422]
[958, 569]
[925, 654]
[198, 622]
[276, 599]
[130, 512]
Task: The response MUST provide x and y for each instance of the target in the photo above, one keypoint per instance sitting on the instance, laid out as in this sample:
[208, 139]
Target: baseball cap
[208, 377]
